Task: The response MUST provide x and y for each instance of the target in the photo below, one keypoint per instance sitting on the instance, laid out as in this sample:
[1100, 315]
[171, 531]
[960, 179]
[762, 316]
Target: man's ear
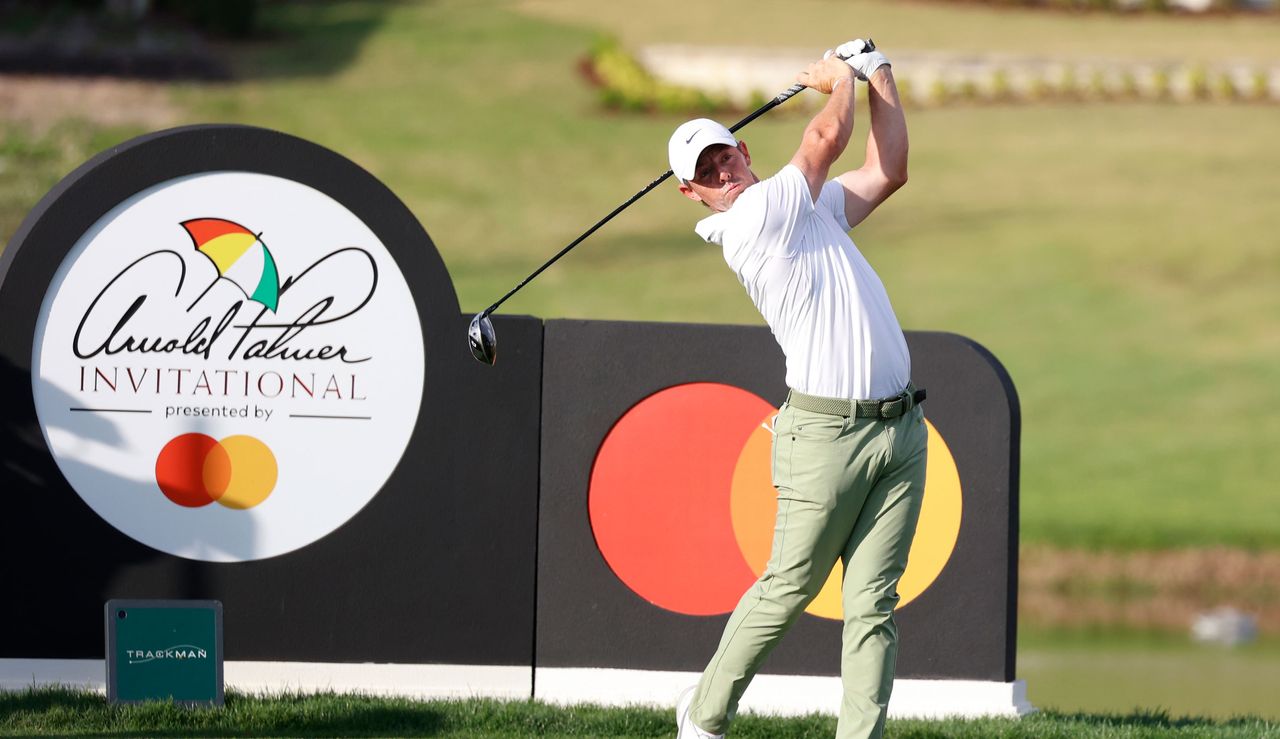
[742, 147]
[689, 193]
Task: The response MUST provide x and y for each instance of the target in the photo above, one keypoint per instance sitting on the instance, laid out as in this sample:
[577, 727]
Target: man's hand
[863, 63]
[825, 76]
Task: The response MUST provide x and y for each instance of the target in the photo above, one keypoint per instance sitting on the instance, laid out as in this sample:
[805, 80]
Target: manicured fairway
[68, 713]
[1117, 672]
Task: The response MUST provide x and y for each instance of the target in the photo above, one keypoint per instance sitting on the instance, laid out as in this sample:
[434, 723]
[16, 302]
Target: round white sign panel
[228, 366]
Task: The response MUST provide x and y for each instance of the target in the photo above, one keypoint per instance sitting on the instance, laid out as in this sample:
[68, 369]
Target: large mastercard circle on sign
[659, 496]
[682, 504]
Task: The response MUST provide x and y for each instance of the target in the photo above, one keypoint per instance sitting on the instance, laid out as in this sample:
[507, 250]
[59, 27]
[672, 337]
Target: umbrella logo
[239, 256]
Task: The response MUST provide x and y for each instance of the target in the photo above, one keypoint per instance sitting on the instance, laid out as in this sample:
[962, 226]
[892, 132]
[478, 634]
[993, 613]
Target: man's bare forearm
[887, 142]
[834, 123]
[827, 135]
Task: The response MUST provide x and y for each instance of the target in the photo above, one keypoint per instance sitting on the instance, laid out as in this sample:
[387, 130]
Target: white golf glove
[864, 63]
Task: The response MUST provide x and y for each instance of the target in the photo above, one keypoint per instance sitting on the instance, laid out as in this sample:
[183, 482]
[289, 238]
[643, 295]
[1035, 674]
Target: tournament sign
[232, 371]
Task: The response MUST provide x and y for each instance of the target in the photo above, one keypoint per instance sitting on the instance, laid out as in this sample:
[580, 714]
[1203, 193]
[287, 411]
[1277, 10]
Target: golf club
[481, 337]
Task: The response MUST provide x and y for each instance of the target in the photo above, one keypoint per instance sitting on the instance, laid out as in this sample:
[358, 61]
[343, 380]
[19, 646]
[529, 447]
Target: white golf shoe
[685, 728]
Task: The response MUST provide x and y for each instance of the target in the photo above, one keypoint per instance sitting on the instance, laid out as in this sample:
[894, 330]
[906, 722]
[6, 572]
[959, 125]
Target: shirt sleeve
[831, 200]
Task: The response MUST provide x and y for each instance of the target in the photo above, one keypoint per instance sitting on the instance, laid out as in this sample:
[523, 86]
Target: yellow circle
[753, 502]
[939, 526]
[252, 473]
[754, 505]
[935, 538]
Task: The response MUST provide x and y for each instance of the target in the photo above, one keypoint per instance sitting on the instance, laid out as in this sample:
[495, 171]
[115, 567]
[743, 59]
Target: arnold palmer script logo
[230, 338]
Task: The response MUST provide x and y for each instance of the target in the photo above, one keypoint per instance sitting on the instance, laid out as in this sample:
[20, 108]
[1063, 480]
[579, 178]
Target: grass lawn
[1120, 259]
[1114, 671]
[69, 713]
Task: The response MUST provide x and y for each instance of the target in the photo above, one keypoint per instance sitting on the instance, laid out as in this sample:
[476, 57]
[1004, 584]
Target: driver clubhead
[482, 340]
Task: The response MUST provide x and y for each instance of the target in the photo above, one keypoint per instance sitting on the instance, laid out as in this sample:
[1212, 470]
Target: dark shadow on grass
[299, 38]
[1155, 719]
[44, 699]
[73, 712]
[306, 38]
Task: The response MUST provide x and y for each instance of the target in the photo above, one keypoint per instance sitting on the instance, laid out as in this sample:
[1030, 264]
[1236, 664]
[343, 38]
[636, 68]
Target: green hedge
[626, 85]
[1130, 6]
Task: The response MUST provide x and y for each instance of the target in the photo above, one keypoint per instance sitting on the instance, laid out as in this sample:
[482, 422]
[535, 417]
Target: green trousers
[848, 488]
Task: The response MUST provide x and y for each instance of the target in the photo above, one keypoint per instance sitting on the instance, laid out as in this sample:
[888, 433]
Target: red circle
[180, 469]
[659, 498]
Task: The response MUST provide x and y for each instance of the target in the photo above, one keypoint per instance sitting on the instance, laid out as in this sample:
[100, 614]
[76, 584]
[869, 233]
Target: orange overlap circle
[194, 470]
[682, 505]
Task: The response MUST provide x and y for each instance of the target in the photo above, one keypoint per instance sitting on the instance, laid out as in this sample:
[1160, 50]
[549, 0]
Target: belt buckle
[904, 398]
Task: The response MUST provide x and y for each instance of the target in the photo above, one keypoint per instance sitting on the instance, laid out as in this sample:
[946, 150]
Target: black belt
[883, 409]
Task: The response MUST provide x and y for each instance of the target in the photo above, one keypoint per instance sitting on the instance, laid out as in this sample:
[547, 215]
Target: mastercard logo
[682, 505]
[194, 470]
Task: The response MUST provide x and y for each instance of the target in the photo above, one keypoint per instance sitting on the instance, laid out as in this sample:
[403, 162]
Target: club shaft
[577, 241]
[781, 98]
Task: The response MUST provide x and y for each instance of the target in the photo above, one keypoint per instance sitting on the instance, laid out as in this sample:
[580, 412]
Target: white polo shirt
[826, 306]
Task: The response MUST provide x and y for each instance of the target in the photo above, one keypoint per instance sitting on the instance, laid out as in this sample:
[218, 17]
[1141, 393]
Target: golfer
[849, 443]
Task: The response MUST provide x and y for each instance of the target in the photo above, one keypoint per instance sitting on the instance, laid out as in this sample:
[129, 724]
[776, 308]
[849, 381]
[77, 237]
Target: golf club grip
[786, 95]
[782, 97]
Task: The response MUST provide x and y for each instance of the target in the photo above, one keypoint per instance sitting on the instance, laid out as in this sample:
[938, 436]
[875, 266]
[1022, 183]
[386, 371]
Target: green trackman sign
[164, 650]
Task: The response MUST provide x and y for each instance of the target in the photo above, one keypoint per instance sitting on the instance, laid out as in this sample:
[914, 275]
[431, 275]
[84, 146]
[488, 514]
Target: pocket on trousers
[781, 445]
[819, 427]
